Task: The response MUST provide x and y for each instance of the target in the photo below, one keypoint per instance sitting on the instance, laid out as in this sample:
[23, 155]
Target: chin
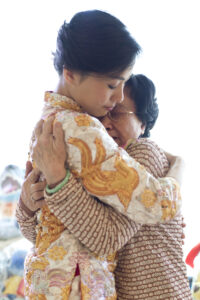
[117, 141]
[99, 114]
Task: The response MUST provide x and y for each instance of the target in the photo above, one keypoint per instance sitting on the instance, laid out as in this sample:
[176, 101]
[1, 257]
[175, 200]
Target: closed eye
[112, 87]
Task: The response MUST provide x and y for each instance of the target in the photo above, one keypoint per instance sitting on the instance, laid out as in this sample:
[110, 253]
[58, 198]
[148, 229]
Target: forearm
[109, 174]
[26, 223]
[98, 226]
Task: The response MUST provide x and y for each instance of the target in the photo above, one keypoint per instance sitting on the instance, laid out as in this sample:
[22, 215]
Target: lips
[108, 108]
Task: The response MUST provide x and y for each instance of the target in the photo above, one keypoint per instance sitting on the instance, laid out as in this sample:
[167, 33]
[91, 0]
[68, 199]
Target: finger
[36, 196]
[34, 176]
[38, 128]
[40, 204]
[29, 168]
[48, 126]
[58, 133]
[38, 186]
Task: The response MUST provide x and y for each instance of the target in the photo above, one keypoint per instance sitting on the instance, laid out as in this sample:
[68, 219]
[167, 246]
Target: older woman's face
[124, 126]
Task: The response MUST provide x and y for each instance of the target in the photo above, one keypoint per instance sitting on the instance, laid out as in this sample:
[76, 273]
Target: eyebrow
[117, 77]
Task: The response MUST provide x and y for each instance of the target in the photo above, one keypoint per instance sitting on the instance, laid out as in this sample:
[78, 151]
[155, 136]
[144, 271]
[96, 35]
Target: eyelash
[111, 87]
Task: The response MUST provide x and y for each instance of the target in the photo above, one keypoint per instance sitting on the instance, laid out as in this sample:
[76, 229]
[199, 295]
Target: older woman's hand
[177, 166]
[32, 193]
[49, 150]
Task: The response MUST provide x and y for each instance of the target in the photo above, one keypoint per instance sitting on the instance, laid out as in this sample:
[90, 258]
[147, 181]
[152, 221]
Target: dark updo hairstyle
[142, 92]
[94, 42]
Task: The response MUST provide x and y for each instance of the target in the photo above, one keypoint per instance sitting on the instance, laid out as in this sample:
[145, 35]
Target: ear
[143, 127]
[71, 77]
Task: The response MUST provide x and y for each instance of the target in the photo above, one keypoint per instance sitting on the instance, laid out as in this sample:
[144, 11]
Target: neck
[62, 89]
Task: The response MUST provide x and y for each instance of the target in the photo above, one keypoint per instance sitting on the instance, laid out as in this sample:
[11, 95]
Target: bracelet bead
[60, 185]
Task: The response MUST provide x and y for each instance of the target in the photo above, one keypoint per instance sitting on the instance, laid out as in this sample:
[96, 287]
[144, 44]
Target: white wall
[168, 31]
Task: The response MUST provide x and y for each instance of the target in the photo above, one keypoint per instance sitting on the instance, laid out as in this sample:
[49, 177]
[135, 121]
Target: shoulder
[149, 154]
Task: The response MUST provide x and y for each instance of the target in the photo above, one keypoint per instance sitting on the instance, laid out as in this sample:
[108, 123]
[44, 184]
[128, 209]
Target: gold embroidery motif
[37, 297]
[83, 120]
[43, 241]
[57, 253]
[51, 98]
[114, 297]
[40, 264]
[65, 292]
[85, 292]
[101, 183]
[54, 229]
[168, 209]
[111, 257]
[148, 198]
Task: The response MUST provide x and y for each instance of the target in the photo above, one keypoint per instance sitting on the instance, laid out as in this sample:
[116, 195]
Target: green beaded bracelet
[60, 185]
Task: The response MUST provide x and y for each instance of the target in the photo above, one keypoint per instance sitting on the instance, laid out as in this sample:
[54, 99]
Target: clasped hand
[49, 155]
[49, 150]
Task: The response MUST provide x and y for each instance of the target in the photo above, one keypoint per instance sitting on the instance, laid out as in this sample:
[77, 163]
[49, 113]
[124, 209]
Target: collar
[60, 101]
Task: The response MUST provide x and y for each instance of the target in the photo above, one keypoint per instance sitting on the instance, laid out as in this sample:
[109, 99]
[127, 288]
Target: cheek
[131, 129]
[135, 129]
[123, 130]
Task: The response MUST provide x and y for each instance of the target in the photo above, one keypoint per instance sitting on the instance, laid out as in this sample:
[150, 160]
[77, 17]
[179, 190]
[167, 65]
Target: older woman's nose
[107, 123]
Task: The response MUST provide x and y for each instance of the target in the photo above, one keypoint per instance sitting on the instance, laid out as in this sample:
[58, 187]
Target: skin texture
[94, 93]
[32, 194]
[127, 126]
[53, 150]
[50, 143]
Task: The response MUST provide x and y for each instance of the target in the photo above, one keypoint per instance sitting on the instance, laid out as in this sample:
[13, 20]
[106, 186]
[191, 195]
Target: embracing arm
[109, 173]
[27, 205]
[103, 223]
[98, 226]
[26, 223]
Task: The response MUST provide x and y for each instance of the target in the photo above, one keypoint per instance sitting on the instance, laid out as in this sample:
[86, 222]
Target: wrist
[52, 190]
[29, 212]
[56, 179]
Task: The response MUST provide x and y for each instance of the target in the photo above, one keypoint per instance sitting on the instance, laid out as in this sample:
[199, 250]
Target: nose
[118, 96]
[107, 123]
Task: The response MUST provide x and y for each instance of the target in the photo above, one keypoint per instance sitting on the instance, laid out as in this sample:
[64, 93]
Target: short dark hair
[95, 42]
[142, 92]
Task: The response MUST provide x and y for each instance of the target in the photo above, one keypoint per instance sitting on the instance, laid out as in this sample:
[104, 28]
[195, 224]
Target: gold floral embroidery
[101, 183]
[57, 253]
[67, 105]
[148, 198]
[55, 100]
[37, 297]
[168, 209]
[43, 241]
[85, 292]
[111, 257]
[114, 297]
[83, 120]
[65, 292]
[111, 262]
[54, 229]
[40, 264]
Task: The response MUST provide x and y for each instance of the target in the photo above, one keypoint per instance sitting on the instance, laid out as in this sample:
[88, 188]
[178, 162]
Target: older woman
[149, 258]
